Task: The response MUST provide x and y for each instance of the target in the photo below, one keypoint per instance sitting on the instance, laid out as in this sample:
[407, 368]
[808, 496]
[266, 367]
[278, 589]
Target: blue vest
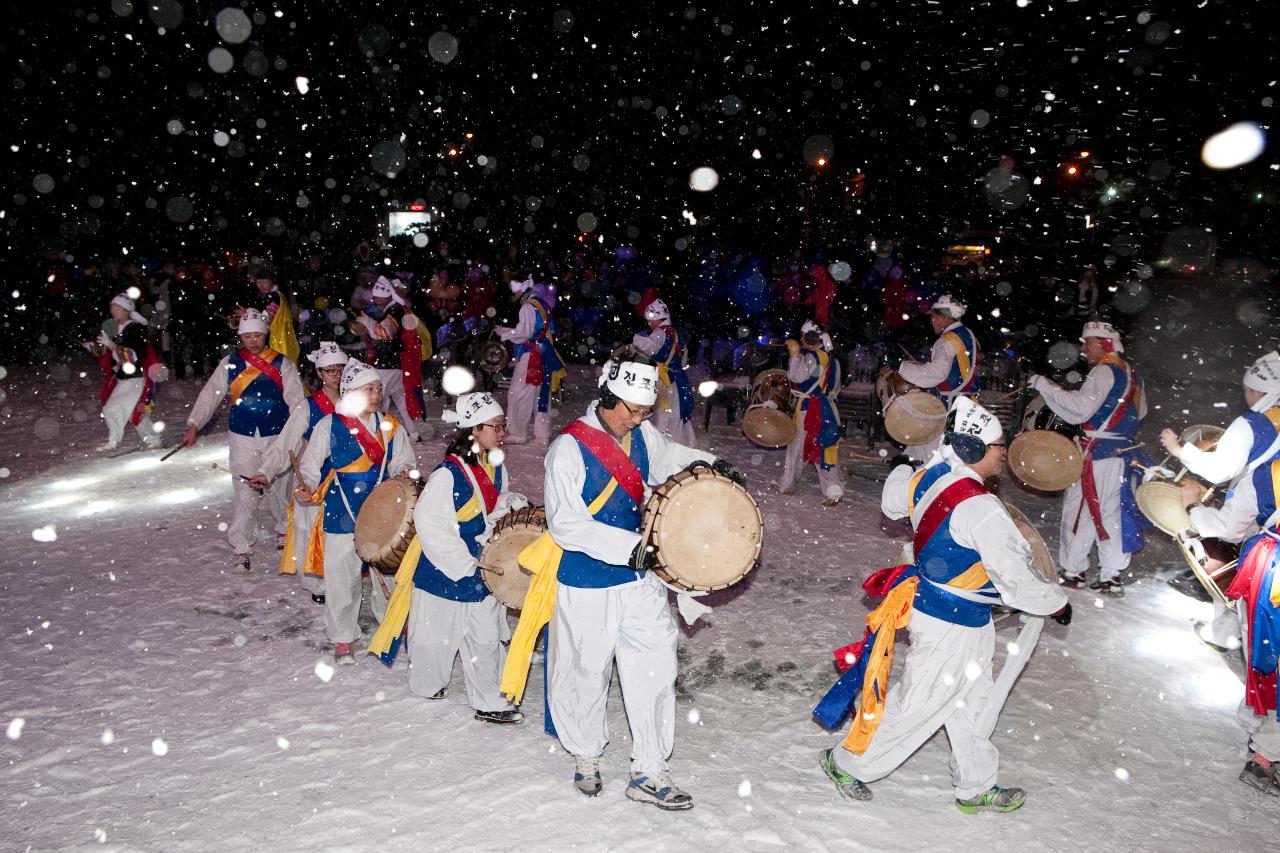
[344, 450]
[426, 576]
[261, 409]
[314, 416]
[671, 355]
[578, 569]
[942, 560]
[1127, 429]
[1264, 434]
[955, 378]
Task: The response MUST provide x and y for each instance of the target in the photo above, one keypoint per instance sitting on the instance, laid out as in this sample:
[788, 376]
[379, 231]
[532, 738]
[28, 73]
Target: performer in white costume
[952, 368]
[538, 365]
[673, 413]
[815, 383]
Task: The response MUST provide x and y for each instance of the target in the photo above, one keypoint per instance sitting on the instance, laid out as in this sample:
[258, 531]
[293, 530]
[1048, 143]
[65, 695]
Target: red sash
[370, 444]
[1259, 689]
[1088, 485]
[322, 400]
[488, 491]
[607, 452]
[411, 371]
[266, 368]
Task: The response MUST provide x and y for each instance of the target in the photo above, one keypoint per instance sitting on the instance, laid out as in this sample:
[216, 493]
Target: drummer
[452, 612]
[359, 447]
[1099, 509]
[972, 558]
[663, 345]
[607, 606]
[815, 382]
[297, 556]
[1250, 441]
[539, 367]
[952, 368]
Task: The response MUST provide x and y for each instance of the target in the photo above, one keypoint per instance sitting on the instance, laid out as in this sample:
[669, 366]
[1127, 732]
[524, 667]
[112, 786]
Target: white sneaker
[106, 447]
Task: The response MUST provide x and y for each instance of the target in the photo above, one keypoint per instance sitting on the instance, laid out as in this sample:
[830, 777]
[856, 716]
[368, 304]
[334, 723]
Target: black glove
[696, 464]
[1063, 616]
[643, 557]
[722, 467]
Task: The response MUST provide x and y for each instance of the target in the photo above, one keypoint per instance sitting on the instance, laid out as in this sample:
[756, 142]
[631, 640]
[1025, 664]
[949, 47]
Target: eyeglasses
[495, 427]
[644, 414]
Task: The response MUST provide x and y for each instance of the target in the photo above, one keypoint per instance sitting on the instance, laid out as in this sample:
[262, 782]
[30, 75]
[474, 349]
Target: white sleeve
[523, 330]
[568, 521]
[317, 451]
[210, 395]
[1225, 461]
[983, 524]
[649, 343]
[801, 368]
[436, 523]
[402, 456]
[928, 375]
[275, 459]
[295, 393]
[1237, 518]
[893, 498]
[1076, 407]
[667, 457]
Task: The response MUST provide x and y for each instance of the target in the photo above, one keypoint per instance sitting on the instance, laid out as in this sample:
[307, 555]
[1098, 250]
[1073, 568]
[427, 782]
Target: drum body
[1043, 455]
[1214, 563]
[1161, 502]
[764, 425]
[492, 356]
[916, 417]
[707, 530]
[1041, 559]
[385, 524]
[514, 532]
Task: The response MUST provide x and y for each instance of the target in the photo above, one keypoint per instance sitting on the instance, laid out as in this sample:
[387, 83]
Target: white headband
[472, 410]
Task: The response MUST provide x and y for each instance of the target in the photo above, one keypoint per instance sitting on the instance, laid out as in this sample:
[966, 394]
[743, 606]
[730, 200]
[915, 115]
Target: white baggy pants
[393, 396]
[681, 432]
[341, 588]
[831, 482]
[590, 630]
[246, 459]
[935, 689]
[441, 630]
[1264, 732]
[304, 517]
[522, 405]
[119, 407]
[1074, 547]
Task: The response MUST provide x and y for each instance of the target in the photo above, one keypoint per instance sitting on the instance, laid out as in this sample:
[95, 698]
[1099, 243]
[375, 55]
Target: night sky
[122, 134]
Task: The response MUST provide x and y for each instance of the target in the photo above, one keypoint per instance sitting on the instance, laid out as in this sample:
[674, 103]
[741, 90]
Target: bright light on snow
[108, 737]
[744, 788]
[1122, 774]
[694, 716]
[282, 742]
[178, 496]
[1235, 146]
[48, 533]
[72, 484]
[457, 380]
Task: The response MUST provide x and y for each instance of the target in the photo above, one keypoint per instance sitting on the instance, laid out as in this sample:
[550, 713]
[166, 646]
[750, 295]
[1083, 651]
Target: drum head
[1203, 436]
[385, 522]
[1041, 559]
[493, 356]
[1161, 502]
[767, 427]
[513, 533]
[772, 385]
[1045, 460]
[707, 529]
[915, 418]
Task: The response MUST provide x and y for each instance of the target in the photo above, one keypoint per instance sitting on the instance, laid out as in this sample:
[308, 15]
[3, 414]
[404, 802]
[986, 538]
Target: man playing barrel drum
[952, 367]
[815, 381]
[263, 386]
[359, 448]
[301, 555]
[969, 556]
[607, 606]
[664, 346]
[1251, 441]
[1109, 405]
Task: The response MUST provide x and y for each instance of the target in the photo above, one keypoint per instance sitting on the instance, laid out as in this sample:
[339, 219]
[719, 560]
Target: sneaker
[1106, 586]
[242, 566]
[586, 776]
[997, 799]
[317, 597]
[1264, 779]
[511, 715]
[830, 502]
[659, 790]
[279, 541]
[1072, 580]
[440, 694]
[1200, 627]
[106, 447]
[344, 654]
[849, 787]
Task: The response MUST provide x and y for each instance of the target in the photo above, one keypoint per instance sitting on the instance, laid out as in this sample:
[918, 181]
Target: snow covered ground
[154, 701]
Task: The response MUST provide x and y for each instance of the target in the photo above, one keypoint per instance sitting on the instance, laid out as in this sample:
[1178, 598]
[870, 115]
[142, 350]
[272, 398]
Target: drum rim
[659, 498]
[751, 412]
[386, 552]
[937, 424]
[1043, 433]
[1149, 488]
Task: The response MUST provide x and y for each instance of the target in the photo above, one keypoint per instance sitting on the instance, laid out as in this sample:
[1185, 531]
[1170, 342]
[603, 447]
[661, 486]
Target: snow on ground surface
[154, 701]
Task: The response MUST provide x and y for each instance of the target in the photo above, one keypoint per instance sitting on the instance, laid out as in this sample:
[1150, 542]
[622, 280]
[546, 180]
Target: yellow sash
[542, 559]
[1273, 415]
[313, 561]
[241, 383]
[282, 337]
[962, 355]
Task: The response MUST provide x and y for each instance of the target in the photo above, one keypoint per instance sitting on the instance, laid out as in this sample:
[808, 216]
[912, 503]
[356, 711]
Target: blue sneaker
[658, 790]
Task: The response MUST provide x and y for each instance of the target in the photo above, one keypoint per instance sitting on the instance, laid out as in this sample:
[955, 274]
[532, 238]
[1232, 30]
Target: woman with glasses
[452, 612]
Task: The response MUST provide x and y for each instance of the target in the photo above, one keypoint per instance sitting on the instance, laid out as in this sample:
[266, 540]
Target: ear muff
[969, 448]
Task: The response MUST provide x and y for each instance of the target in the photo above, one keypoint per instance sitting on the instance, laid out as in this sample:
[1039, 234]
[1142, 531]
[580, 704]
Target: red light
[1071, 170]
[416, 208]
[822, 161]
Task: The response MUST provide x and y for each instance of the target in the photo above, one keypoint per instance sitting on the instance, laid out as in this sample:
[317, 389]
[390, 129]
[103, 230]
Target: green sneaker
[999, 799]
[849, 787]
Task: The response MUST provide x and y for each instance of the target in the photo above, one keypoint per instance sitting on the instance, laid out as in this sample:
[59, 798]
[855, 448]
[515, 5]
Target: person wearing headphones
[968, 557]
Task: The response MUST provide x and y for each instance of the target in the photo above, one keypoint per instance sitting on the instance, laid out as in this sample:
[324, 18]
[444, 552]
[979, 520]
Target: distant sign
[406, 223]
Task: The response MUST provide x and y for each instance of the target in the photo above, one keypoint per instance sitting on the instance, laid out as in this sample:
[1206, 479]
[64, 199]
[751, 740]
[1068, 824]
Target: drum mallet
[239, 477]
[165, 458]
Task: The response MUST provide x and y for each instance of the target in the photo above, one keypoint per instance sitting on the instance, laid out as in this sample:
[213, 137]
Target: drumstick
[495, 570]
[910, 355]
[239, 477]
[297, 470]
[1154, 471]
[1132, 447]
[171, 452]
[867, 457]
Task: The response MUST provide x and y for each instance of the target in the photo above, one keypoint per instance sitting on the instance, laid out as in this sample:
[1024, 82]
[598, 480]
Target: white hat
[472, 410]
[329, 355]
[356, 375]
[518, 287]
[384, 288]
[631, 381]
[948, 306]
[1264, 376]
[810, 326]
[972, 419]
[657, 310]
[253, 322]
[123, 300]
[1099, 329]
